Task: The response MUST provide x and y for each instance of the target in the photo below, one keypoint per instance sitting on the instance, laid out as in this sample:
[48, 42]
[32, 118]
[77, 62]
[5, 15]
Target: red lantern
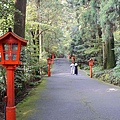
[91, 62]
[53, 56]
[49, 63]
[73, 59]
[10, 46]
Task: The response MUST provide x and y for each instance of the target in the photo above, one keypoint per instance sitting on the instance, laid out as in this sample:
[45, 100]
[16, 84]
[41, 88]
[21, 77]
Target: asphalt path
[76, 97]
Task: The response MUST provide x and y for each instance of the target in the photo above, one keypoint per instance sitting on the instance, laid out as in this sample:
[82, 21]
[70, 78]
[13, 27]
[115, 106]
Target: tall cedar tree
[19, 19]
[19, 29]
[109, 11]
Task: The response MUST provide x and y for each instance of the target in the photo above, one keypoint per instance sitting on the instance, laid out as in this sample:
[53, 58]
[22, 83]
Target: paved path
[76, 97]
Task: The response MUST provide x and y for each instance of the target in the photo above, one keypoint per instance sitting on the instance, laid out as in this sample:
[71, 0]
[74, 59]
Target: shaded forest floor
[108, 76]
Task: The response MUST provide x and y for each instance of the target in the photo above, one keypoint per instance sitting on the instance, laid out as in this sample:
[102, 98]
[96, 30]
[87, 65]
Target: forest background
[84, 28]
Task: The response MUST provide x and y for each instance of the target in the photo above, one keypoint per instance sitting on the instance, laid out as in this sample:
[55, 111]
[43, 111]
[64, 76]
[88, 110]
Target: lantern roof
[48, 58]
[15, 36]
[91, 59]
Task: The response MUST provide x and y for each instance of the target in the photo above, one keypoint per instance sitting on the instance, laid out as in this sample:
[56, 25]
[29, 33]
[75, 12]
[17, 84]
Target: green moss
[26, 107]
[106, 76]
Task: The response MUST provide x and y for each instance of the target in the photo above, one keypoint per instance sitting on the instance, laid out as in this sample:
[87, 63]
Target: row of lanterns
[10, 48]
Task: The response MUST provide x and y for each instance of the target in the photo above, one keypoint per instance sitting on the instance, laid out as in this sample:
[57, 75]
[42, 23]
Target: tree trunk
[19, 18]
[19, 27]
[40, 33]
[104, 57]
[109, 55]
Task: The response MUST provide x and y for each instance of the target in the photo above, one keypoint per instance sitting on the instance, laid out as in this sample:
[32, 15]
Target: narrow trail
[76, 97]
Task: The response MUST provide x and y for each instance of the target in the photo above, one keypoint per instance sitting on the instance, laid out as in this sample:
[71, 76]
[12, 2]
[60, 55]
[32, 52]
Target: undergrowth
[111, 76]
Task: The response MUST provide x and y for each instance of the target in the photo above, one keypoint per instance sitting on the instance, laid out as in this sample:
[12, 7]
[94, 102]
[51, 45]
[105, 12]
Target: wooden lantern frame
[49, 61]
[91, 62]
[10, 47]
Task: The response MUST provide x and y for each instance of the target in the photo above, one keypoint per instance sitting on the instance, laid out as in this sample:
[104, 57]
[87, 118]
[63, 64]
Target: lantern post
[73, 59]
[49, 63]
[53, 56]
[91, 63]
[10, 47]
[68, 56]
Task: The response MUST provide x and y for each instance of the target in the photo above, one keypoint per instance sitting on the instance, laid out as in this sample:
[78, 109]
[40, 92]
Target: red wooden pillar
[73, 59]
[68, 56]
[53, 56]
[10, 109]
[49, 63]
[49, 73]
[91, 62]
[90, 71]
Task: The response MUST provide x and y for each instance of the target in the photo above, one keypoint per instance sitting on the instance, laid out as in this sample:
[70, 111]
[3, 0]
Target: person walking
[76, 68]
[72, 68]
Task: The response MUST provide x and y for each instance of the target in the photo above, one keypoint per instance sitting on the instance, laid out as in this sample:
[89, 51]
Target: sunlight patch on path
[62, 74]
[112, 90]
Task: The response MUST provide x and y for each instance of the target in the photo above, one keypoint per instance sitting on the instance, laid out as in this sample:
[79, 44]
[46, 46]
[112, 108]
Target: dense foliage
[97, 35]
[6, 15]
